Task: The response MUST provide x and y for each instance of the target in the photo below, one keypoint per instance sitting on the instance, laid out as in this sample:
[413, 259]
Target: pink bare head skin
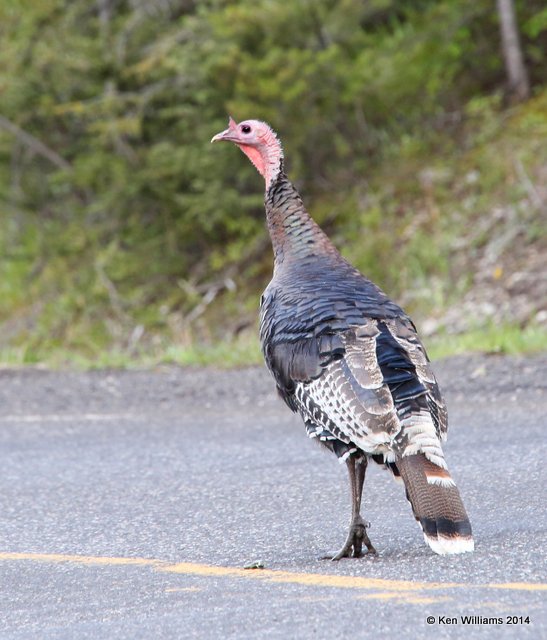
[258, 142]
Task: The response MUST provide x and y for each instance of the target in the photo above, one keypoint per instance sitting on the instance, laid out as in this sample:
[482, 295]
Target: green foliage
[122, 229]
[493, 339]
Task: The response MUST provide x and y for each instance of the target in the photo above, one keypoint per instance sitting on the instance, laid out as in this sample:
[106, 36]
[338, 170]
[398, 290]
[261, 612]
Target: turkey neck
[295, 235]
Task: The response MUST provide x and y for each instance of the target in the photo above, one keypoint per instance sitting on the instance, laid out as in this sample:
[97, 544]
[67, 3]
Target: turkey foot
[353, 546]
[357, 534]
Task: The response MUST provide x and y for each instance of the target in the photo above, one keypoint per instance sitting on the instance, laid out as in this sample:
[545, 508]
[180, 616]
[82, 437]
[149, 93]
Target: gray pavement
[131, 501]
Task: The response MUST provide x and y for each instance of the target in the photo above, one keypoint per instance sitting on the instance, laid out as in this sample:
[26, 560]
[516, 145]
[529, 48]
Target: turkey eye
[246, 128]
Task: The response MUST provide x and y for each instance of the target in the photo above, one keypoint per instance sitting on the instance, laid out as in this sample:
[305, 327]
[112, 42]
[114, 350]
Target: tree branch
[33, 143]
[517, 74]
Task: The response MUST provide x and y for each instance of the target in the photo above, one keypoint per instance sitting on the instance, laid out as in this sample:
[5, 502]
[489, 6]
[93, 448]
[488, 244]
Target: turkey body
[344, 356]
[349, 361]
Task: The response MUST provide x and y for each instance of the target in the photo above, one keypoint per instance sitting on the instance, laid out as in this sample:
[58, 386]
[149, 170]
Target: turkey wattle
[349, 361]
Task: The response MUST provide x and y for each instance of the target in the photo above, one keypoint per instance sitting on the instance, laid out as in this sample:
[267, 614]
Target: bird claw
[353, 546]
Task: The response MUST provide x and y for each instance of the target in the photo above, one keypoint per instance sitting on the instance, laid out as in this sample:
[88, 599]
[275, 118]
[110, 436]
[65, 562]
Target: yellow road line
[311, 579]
[518, 586]
[86, 560]
[391, 587]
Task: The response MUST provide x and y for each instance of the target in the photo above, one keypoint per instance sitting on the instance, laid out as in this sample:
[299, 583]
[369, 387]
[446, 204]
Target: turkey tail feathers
[437, 505]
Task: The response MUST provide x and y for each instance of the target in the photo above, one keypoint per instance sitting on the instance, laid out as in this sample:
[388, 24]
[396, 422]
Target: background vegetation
[123, 234]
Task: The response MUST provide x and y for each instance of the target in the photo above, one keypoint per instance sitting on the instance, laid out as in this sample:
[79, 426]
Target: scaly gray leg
[357, 534]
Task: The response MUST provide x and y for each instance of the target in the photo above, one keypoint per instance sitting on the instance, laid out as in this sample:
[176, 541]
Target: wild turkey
[349, 361]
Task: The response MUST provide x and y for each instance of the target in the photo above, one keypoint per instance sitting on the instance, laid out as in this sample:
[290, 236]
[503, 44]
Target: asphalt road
[131, 501]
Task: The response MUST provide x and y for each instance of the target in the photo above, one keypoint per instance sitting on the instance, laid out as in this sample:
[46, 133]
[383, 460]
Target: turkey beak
[223, 135]
[229, 134]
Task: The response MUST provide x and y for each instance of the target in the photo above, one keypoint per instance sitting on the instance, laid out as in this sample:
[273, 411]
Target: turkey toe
[353, 546]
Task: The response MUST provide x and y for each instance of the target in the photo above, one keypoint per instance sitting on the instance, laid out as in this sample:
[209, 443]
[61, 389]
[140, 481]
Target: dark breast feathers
[348, 360]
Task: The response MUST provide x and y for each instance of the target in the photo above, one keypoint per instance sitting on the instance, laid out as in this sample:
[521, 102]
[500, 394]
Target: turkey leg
[357, 534]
